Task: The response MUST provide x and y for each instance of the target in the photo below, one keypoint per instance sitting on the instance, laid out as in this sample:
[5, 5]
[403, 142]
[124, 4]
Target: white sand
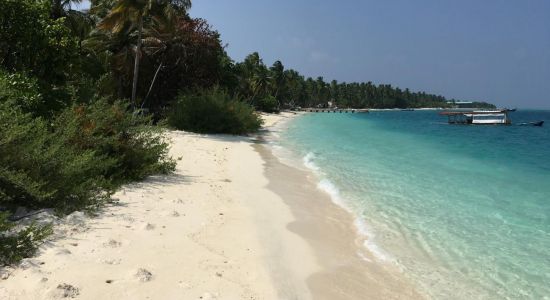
[198, 233]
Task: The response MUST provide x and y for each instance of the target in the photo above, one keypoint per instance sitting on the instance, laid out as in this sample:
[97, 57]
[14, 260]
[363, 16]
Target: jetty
[334, 110]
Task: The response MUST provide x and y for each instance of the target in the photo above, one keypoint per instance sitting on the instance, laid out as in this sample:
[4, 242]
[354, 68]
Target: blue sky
[492, 50]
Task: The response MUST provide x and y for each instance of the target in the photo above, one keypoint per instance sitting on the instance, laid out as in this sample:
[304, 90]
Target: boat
[510, 109]
[478, 117]
[536, 123]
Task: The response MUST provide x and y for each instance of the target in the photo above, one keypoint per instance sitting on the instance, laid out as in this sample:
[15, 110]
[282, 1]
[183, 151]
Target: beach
[232, 222]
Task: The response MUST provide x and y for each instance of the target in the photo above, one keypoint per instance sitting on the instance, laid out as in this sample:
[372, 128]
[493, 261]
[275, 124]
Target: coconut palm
[260, 82]
[130, 15]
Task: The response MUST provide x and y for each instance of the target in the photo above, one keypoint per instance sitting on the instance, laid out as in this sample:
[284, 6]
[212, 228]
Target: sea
[463, 211]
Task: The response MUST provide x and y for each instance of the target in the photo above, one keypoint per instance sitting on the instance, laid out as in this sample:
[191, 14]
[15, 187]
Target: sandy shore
[231, 223]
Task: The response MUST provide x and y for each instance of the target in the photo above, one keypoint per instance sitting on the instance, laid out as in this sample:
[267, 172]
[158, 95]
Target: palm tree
[60, 7]
[260, 82]
[278, 71]
[133, 13]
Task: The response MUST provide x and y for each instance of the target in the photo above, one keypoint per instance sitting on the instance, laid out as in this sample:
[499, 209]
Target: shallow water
[462, 210]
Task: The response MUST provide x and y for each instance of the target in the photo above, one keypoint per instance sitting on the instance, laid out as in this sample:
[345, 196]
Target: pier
[335, 110]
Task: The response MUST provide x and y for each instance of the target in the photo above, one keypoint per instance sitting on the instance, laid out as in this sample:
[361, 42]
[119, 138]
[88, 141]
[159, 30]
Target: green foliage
[32, 42]
[137, 148]
[268, 104]
[75, 161]
[213, 111]
[256, 81]
[18, 90]
[16, 245]
[39, 169]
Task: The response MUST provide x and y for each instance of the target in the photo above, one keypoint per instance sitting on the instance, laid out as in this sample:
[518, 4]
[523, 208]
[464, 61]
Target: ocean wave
[362, 227]
[308, 161]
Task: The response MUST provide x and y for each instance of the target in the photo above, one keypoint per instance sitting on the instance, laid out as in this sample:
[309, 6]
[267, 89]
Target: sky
[483, 50]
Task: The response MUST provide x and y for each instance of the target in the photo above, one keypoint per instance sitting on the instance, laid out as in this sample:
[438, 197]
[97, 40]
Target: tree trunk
[136, 63]
[151, 86]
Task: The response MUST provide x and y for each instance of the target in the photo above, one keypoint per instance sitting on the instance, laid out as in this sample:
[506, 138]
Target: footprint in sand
[112, 261]
[144, 275]
[112, 243]
[149, 226]
[64, 290]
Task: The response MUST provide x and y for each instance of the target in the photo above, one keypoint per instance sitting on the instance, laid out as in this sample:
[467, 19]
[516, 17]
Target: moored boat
[478, 117]
[536, 123]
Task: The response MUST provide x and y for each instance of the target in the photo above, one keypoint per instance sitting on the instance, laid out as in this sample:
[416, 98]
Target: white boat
[489, 117]
[478, 117]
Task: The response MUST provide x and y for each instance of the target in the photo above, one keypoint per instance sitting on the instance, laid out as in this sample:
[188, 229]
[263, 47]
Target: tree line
[150, 51]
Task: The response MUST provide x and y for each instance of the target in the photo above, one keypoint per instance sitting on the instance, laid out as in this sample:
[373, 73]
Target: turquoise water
[464, 211]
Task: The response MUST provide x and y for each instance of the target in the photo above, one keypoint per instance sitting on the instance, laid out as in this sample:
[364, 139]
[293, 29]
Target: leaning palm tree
[133, 13]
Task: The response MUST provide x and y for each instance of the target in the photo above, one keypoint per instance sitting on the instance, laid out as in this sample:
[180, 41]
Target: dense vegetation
[80, 93]
[213, 111]
[253, 80]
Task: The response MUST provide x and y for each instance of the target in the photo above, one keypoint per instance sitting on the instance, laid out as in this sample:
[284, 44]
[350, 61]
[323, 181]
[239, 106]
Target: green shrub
[268, 104]
[15, 246]
[137, 148]
[38, 169]
[78, 159]
[213, 111]
[21, 91]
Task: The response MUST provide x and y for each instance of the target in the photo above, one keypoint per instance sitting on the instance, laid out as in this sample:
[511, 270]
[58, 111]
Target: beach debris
[109, 281]
[175, 214]
[219, 274]
[112, 243]
[68, 291]
[144, 275]
[73, 244]
[149, 226]
[44, 279]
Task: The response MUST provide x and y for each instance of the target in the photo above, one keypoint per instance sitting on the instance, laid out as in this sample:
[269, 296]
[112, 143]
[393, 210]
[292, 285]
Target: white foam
[362, 228]
[332, 190]
[369, 243]
[308, 161]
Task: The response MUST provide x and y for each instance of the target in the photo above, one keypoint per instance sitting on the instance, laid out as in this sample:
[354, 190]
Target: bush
[38, 169]
[15, 246]
[19, 90]
[77, 160]
[268, 104]
[213, 111]
[138, 148]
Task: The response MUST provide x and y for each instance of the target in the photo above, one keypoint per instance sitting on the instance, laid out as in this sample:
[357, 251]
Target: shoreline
[348, 270]
[232, 222]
